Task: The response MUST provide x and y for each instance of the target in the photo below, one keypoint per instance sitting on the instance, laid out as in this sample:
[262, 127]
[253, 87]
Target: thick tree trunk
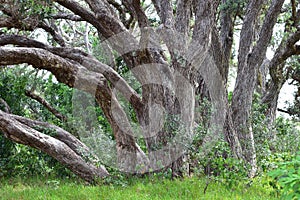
[249, 60]
[241, 108]
[130, 158]
[166, 118]
[23, 134]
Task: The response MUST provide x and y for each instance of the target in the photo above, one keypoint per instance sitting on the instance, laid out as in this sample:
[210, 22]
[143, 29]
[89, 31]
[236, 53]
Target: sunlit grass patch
[157, 188]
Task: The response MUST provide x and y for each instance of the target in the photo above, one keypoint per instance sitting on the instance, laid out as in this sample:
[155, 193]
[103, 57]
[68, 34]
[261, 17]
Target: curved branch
[135, 7]
[286, 49]
[64, 70]
[77, 76]
[42, 101]
[266, 32]
[30, 24]
[23, 134]
[101, 18]
[115, 33]
[58, 38]
[75, 144]
[91, 63]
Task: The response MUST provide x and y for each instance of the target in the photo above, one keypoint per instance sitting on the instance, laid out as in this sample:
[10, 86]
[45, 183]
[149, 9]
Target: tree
[175, 50]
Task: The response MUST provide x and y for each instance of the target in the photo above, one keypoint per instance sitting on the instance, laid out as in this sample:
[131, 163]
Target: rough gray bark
[226, 36]
[19, 132]
[70, 73]
[279, 76]
[249, 60]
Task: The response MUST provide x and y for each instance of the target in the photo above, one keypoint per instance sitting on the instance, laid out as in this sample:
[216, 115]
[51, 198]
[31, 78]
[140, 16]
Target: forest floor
[142, 188]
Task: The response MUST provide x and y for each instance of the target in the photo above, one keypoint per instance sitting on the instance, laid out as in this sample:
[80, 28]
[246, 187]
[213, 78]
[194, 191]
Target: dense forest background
[111, 89]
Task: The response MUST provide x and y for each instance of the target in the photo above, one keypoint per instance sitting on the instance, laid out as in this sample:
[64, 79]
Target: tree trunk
[23, 134]
[249, 60]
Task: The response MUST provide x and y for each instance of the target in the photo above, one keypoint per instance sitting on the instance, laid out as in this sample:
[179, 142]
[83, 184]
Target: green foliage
[287, 136]
[13, 82]
[214, 159]
[20, 160]
[272, 160]
[217, 162]
[273, 143]
[234, 6]
[287, 178]
[221, 166]
[261, 129]
[40, 8]
[6, 147]
[24, 161]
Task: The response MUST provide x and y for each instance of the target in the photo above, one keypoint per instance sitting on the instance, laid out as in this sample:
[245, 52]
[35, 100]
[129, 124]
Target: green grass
[189, 188]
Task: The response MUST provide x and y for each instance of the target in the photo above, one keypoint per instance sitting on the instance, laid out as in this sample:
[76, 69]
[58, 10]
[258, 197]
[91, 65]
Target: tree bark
[249, 60]
[23, 134]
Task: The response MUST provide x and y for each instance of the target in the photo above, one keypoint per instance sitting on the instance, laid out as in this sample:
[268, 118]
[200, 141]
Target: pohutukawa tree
[176, 51]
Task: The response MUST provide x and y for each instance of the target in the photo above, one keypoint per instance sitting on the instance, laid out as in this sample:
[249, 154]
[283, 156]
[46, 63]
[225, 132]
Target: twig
[285, 111]
[42, 101]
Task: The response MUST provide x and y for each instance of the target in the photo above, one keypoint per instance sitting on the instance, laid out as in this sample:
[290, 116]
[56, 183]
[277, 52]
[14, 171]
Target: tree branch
[226, 37]
[23, 134]
[134, 6]
[42, 101]
[165, 12]
[58, 38]
[205, 13]
[64, 70]
[248, 31]
[285, 111]
[76, 76]
[10, 22]
[265, 34]
[6, 106]
[109, 27]
[82, 58]
[286, 49]
[122, 13]
[75, 144]
[183, 15]
[30, 24]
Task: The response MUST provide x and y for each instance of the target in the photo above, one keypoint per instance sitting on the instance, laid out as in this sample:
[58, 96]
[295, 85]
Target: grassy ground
[191, 188]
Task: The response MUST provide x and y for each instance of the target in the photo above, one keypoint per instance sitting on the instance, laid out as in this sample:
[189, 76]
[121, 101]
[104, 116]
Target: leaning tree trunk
[63, 150]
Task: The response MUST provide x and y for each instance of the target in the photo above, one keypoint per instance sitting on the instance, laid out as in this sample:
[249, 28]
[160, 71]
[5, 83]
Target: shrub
[287, 178]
